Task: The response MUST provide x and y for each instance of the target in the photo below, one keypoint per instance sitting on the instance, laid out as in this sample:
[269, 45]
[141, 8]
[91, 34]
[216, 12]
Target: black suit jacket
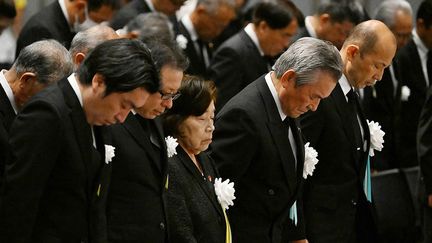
[333, 196]
[411, 75]
[194, 213]
[7, 115]
[250, 148]
[383, 106]
[51, 181]
[135, 209]
[196, 62]
[48, 23]
[424, 144]
[235, 65]
[128, 12]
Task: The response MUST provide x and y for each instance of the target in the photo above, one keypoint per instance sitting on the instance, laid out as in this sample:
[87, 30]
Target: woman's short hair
[196, 96]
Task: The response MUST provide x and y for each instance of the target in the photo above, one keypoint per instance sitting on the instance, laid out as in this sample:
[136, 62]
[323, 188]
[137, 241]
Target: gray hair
[212, 6]
[387, 10]
[47, 59]
[152, 26]
[308, 55]
[87, 40]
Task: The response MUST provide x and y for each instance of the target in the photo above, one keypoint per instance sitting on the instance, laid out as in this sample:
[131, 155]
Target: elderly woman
[194, 213]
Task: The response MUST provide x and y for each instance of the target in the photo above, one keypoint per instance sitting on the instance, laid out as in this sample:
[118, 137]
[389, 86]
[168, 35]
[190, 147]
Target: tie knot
[352, 95]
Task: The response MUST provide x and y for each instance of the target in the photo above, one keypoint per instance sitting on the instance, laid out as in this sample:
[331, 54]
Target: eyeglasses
[169, 96]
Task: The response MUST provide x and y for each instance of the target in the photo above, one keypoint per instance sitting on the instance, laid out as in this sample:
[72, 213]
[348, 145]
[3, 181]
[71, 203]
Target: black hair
[125, 65]
[425, 12]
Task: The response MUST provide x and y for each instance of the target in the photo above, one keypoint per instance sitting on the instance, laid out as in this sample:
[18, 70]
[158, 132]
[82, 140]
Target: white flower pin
[109, 153]
[376, 137]
[310, 160]
[181, 41]
[224, 192]
[171, 144]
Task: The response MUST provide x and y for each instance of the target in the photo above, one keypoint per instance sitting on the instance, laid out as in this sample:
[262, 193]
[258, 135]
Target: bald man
[336, 206]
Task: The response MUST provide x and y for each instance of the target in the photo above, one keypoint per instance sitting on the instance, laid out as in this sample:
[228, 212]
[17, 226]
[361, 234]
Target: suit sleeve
[224, 71]
[34, 139]
[180, 224]
[235, 141]
[424, 143]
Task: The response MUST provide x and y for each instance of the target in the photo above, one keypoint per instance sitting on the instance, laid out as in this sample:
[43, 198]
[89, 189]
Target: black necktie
[353, 104]
[429, 66]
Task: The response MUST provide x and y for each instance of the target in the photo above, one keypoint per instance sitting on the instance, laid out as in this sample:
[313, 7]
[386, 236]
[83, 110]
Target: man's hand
[430, 200]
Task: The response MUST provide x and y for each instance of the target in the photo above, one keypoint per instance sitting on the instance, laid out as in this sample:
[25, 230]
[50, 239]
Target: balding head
[87, 40]
[367, 51]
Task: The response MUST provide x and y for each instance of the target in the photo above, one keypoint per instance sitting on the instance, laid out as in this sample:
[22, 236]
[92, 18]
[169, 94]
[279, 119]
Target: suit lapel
[259, 62]
[196, 58]
[191, 167]
[342, 108]
[279, 134]
[82, 129]
[142, 137]
[7, 113]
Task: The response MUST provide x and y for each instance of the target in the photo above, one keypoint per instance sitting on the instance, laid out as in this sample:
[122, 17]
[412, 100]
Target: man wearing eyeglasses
[135, 204]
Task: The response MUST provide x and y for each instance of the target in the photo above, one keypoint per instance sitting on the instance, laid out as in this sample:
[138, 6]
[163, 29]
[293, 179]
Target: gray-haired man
[258, 145]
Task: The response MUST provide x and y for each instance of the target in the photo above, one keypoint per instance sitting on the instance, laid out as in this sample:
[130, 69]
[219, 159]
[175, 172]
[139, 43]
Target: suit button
[354, 203]
[271, 192]
[162, 226]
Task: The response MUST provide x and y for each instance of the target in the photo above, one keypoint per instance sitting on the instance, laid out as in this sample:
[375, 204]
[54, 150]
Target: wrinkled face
[212, 24]
[112, 108]
[155, 105]
[365, 69]
[402, 28]
[168, 7]
[196, 131]
[275, 41]
[296, 101]
[335, 32]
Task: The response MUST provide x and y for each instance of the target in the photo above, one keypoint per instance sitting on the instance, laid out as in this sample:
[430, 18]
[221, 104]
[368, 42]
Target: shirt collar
[309, 26]
[150, 5]
[8, 90]
[272, 88]
[74, 83]
[345, 85]
[189, 27]
[249, 29]
[64, 10]
[419, 43]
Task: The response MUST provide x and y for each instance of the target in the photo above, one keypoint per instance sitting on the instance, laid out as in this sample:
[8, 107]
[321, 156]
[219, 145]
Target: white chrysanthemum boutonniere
[224, 192]
[311, 159]
[376, 137]
[171, 144]
[181, 41]
[109, 153]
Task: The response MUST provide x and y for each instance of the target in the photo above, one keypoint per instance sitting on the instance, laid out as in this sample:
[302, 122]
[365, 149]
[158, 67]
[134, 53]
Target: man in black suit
[245, 57]
[63, 18]
[38, 65]
[52, 180]
[423, 69]
[258, 145]
[199, 28]
[332, 22]
[336, 207]
[136, 204]
[383, 102]
[136, 7]
[415, 74]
